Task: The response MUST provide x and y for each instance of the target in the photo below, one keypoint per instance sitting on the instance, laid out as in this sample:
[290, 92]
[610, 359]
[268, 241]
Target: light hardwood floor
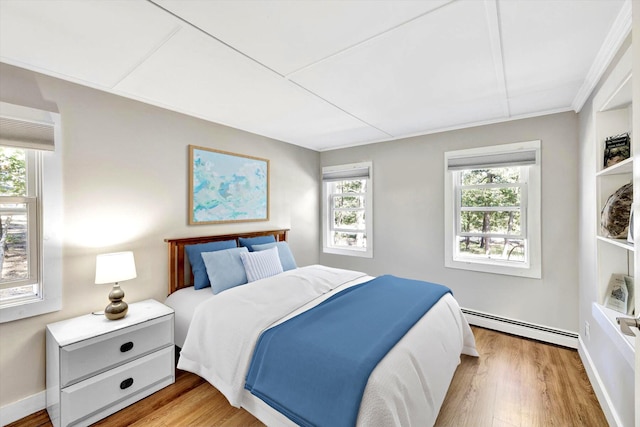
[514, 382]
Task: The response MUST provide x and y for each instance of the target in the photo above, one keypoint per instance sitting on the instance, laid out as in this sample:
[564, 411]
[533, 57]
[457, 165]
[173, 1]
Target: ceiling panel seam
[254, 60]
[495, 35]
[615, 37]
[148, 55]
[366, 40]
[465, 125]
[341, 109]
[217, 39]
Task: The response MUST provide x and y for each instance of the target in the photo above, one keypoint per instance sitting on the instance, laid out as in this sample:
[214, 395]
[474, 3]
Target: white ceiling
[326, 74]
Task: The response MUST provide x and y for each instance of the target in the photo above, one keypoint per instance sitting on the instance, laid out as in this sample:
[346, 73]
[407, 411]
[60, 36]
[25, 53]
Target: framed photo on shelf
[616, 149]
[227, 187]
[617, 296]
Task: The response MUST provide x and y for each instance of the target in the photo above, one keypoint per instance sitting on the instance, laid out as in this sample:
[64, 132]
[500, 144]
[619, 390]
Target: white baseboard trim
[20, 409]
[523, 329]
[601, 393]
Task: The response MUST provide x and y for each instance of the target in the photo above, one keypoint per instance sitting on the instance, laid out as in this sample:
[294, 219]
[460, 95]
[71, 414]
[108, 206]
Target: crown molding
[620, 29]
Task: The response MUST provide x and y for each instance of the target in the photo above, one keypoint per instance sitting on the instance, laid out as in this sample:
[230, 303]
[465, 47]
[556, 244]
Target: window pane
[349, 219]
[13, 172]
[14, 242]
[9, 294]
[476, 197]
[351, 186]
[348, 202]
[496, 249]
[352, 240]
[500, 222]
[490, 176]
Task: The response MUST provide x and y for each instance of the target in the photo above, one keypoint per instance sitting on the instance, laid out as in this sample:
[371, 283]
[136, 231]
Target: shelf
[625, 166]
[622, 243]
[606, 318]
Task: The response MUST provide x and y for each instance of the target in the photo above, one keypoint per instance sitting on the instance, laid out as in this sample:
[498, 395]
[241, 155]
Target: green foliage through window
[13, 172]
[490, 213]
[348, 213]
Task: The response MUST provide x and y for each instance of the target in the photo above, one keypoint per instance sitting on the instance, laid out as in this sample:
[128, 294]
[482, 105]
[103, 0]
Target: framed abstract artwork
[227, 187]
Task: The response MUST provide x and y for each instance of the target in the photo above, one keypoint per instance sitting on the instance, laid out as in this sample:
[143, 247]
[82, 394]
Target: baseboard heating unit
[523, 329]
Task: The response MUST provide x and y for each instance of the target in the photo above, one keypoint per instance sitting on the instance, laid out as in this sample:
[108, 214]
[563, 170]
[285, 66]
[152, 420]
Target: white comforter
[406, 388]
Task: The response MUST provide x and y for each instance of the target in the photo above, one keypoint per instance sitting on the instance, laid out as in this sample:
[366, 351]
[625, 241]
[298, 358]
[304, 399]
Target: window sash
[32, 210]
[521, 209]
[334, 210]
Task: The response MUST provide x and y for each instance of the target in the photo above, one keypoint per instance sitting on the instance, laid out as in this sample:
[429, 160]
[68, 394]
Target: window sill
[29, 309]
[349, 252]
[532, 272]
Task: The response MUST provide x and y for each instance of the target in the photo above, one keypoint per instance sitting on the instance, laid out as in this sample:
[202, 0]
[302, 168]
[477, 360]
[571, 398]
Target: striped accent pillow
[262, 264]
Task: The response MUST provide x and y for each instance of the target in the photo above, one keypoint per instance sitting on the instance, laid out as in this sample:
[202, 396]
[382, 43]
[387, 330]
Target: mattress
[184, 303]
[218, 334]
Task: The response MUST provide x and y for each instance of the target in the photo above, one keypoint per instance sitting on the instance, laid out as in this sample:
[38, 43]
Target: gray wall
[408, 216]
[125, 188]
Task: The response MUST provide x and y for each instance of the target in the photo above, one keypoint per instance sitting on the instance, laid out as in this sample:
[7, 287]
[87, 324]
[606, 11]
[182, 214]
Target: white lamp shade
[115, 267]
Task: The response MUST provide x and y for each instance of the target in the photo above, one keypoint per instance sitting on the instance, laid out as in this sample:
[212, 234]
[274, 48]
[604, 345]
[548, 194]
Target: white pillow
[262, 264]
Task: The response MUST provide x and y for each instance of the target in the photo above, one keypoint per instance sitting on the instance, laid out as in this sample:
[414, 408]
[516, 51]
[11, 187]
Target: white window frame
[49, 224]
[347, 172]
[31, 200]
[530, 208]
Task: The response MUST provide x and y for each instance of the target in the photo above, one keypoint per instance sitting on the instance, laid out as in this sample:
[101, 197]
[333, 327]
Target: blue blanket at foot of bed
[314, 367]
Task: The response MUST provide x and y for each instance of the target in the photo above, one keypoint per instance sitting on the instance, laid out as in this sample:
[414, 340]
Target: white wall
[408, 215]
[125, 188]
[612, 377]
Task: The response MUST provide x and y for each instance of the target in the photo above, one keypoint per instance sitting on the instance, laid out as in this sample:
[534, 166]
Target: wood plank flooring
[515, 382]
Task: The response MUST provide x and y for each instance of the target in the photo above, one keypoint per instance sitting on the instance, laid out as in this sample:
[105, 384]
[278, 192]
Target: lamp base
[118, 308]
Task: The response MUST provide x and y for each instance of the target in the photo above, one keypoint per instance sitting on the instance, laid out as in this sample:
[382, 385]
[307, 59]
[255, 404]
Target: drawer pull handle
[126, 383]
[126, 347]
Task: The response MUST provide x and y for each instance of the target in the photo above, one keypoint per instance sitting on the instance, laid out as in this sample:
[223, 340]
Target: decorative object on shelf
[617, 296]
[614, 218]
[114, 268]
[616, 149]
[630, 231]
[227, 187]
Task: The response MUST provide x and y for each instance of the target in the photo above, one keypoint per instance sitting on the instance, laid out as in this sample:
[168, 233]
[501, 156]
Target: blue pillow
[200, 278]
[286, 257]
[260, 265]
[225, 269]
[248, 242]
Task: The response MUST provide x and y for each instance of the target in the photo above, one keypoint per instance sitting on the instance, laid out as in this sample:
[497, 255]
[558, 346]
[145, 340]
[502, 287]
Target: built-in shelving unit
[607, 320]
[613, 116]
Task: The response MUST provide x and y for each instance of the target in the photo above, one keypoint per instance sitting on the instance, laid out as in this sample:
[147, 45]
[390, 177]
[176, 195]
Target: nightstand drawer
[84, 359]
[89, 397]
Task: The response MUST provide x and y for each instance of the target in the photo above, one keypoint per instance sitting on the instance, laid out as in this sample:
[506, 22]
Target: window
[30, 224]
[492, 209]
[347, 206]
[19, 224]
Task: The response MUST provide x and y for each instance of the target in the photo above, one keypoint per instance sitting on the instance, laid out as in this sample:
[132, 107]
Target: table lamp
[114, 268]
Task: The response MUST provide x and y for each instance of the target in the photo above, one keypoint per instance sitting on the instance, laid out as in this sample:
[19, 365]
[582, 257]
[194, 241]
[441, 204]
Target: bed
[218, 335]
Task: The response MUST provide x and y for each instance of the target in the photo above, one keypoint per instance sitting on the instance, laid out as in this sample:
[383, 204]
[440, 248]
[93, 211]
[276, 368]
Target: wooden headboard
[180, 274]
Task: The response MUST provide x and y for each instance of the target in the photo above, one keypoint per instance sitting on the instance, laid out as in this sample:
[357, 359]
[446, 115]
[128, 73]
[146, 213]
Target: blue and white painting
[227, 187]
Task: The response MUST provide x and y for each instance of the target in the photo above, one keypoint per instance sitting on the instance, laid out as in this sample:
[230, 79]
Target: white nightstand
[96, 367]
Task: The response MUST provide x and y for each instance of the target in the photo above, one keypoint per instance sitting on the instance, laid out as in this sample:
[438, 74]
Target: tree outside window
[491, 214]
[15, 272]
